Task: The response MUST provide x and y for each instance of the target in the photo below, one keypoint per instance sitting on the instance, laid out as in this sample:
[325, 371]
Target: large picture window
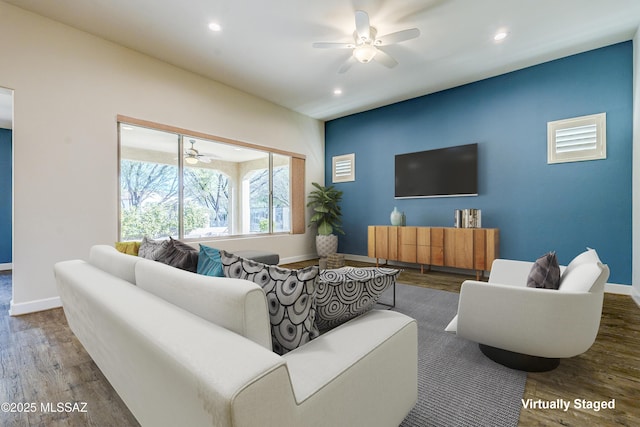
[193, 187]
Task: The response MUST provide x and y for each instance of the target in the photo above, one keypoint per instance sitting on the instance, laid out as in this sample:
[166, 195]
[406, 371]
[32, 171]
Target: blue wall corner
[537, 207]
[5, 195]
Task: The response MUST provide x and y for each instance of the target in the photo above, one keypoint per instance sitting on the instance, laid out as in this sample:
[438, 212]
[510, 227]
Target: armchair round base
[519, 361]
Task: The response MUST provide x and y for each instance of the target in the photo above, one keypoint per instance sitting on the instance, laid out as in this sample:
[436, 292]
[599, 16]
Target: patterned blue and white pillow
[348, 292]
[291, 297]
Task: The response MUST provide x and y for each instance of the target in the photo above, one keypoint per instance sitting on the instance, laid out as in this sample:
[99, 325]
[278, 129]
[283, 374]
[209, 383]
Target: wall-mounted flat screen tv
[443, 172]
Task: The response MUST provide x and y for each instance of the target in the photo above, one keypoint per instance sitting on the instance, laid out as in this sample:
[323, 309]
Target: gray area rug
[457, 384]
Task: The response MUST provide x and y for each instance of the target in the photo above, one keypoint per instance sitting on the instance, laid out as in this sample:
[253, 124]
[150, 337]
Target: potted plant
[327, 217]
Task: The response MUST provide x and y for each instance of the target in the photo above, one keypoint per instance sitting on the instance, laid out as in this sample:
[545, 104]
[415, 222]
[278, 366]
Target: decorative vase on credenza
[397, 218]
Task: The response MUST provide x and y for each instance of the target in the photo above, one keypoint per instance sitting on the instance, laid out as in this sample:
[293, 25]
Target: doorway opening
[6, 186]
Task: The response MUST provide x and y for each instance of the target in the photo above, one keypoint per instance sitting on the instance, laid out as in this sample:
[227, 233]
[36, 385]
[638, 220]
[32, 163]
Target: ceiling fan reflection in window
[193, 156]
[367, 46]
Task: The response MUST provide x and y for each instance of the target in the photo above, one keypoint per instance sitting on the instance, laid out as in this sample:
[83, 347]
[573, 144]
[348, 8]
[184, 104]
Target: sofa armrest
[108, 258]
[538, 322]
[169, 366]
[369, 362]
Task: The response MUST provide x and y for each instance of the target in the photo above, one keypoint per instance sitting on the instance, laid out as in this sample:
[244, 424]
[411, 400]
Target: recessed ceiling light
[337, 91]
[500, 35]
[214, 26]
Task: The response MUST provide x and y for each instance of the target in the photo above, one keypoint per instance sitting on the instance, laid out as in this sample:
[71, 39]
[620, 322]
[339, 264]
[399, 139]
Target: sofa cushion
[237, 305]
[291, 298]
[179, 255]
[545, 272]
[150, 248]
[129, 248]
[209, 262]
[348, 292]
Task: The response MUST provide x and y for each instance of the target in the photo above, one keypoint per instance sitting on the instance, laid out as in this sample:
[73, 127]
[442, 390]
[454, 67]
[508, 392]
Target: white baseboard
[297, 258]
[6, 266]
[614, 288]
[635, 296]
[34, 306]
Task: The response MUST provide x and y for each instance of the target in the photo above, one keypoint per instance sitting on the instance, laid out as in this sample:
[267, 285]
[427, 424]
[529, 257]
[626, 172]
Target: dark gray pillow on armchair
[545, 272]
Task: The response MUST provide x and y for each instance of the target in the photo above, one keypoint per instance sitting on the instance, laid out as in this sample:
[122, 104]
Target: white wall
[69, 87]
[635, 279]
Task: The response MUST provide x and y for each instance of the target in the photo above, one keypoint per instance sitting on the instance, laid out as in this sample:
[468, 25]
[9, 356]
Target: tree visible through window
[172, 185]
[207, 199]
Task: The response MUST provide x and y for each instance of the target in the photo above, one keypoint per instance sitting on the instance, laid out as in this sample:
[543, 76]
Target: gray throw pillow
[291, 298]
[151, 249]
[545, 272]
[180, 255]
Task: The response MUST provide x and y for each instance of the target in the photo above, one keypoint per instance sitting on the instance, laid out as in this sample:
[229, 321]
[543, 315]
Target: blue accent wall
[5, 196]
[537, 207]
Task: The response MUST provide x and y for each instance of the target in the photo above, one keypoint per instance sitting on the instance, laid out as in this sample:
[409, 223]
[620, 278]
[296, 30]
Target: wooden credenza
[465, 248]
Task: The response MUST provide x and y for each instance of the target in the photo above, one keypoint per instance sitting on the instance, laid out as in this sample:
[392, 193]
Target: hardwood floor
[43, 365]
[42, 362]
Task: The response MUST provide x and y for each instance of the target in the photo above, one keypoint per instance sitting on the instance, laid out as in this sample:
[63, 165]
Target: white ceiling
[264, 47]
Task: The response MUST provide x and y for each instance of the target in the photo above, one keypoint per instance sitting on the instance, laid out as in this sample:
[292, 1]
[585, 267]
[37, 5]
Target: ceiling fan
[193, 156]
[367, 46]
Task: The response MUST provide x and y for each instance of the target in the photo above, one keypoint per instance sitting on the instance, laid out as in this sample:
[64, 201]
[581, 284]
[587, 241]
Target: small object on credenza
[457, 218]
[468, 218]
[395, 217]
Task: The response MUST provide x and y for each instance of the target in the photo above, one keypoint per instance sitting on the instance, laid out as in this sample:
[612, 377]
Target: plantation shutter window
[577, 139]
[344, 168]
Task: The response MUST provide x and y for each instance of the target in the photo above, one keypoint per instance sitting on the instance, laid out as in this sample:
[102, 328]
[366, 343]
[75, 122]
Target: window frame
[296, 177]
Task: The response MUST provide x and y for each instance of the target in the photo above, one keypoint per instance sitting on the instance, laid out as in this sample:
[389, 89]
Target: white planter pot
[326, 245]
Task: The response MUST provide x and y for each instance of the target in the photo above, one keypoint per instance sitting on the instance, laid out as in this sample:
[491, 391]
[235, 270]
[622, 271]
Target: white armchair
[532, 328]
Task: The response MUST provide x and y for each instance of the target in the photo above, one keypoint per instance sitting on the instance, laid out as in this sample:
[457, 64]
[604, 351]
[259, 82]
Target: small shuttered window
[344, 168]
[577, 139]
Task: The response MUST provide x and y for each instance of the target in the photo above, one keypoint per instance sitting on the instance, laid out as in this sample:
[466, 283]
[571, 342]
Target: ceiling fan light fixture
[191, 160]
[364, 53]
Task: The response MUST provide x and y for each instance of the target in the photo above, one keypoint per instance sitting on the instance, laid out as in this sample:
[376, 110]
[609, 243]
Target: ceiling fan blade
[397, 37]
[385, 59]
[204, 159]
[330, 45]
[363, 29]
[347, 64]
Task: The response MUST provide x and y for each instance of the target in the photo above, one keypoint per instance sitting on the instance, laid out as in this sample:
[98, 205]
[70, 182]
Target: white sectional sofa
[185, 349]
